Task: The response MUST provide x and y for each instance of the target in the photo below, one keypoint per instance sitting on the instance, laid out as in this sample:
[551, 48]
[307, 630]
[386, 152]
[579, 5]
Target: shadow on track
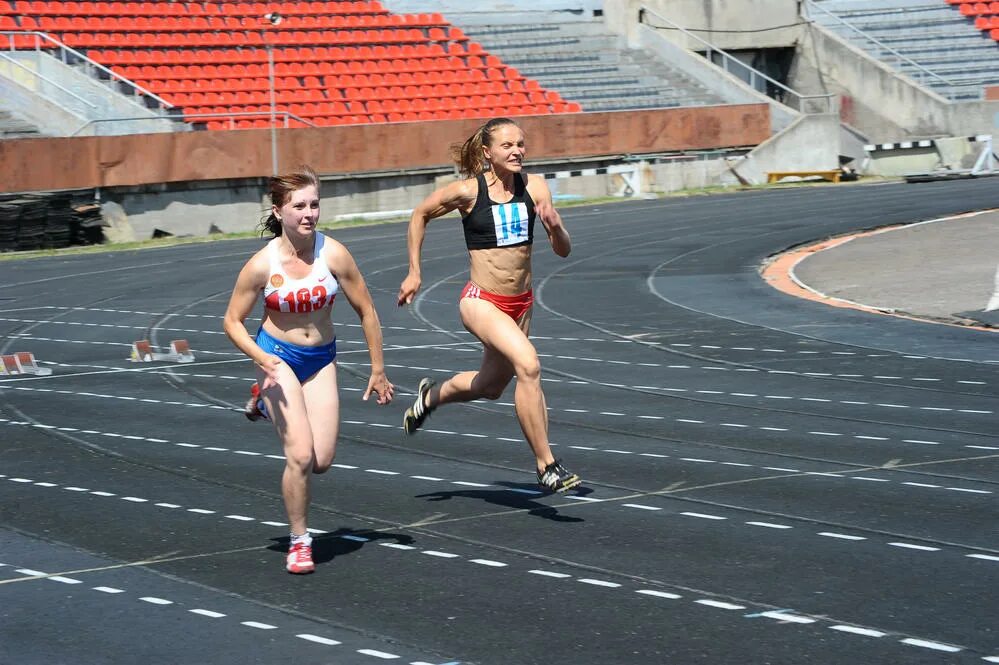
[508, 498]
[343, 541]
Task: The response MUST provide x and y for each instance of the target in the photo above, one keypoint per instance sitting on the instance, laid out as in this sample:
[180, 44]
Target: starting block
[180, 352]
[22, 362]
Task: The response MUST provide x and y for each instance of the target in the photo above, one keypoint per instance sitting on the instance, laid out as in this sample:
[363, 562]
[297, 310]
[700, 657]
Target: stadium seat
[210, 56]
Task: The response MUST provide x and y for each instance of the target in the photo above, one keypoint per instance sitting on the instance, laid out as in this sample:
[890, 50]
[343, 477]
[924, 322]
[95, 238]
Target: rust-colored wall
[992, 93]
[108, 161]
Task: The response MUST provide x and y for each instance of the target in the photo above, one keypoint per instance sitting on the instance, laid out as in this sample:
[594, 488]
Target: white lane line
[658, 594]
[787, 618]
[108, 589]
[719, 604]
[603, 583]
[548, 573]
[257, 624]
[377, 654]
[866, 632]
[156, 601]
[318, 640]
[703, 516]
[442, 555]
[770, 525]
[397, 546]
[926, 644]
[640, 506]
[912, 546]
[207, 613]
[488, 562]
[987, 557]
[842, 536]
[64, 580]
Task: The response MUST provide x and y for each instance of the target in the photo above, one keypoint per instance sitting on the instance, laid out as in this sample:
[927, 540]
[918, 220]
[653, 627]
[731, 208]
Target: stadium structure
[128, 120]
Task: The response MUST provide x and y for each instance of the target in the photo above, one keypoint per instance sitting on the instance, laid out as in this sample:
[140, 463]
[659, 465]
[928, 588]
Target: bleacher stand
[955, 41]
[349, 62]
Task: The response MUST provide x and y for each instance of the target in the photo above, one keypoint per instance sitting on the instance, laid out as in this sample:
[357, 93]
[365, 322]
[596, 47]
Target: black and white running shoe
[416, 414]
[557, 478]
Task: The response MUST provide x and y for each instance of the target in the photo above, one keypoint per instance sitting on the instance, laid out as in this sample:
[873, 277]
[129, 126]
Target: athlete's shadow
[343, 541]
[513, 498]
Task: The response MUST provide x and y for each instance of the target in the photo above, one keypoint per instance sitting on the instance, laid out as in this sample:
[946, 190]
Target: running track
[768, 480]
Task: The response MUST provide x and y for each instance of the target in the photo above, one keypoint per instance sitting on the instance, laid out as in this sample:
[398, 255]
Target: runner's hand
[270, 367]
[408, 290]
[381, 386]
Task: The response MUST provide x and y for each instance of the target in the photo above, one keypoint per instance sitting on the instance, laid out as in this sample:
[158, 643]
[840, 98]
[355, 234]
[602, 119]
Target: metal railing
[286, 116]
[14, 61]
[881, 51]
[65, 52]
[822, 103]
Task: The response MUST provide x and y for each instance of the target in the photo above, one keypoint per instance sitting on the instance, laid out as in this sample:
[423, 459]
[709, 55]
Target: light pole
[274, 19]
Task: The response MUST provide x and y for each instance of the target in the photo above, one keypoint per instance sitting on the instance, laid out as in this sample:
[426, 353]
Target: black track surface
[767, 480]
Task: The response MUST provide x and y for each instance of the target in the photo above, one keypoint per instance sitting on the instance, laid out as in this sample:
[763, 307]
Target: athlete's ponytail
[468, 155]
[279, 189]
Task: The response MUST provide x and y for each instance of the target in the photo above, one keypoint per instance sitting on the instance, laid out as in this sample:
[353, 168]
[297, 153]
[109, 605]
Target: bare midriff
[303, 329]
[504, 271]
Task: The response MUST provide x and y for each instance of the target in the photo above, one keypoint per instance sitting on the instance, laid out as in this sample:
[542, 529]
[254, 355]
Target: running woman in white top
[299, 274]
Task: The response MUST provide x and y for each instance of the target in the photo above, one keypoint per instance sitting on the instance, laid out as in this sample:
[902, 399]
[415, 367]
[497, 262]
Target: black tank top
[509, 224]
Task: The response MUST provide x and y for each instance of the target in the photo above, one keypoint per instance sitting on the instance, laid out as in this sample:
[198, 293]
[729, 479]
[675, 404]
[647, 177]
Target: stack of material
[59, 223]
[10, 212]
[31, 226]
[88, 224]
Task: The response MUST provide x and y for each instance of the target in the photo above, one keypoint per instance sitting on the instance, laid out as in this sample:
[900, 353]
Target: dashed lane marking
[209, 614]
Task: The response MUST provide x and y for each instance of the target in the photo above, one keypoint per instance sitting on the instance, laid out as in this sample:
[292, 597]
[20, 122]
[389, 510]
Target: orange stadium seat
[210, 57]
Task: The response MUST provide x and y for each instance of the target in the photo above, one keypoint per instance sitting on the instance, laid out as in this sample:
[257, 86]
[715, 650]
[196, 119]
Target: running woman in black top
[499, 204]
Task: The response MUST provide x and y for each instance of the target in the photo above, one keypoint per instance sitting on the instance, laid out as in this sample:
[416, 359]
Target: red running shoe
[255, 409]
[300, 559]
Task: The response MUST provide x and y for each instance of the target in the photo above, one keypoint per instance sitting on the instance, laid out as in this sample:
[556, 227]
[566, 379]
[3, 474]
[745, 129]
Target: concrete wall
[726, 85]
[810, 143]
[93, 100]
[874, 98]
[728, 24]
[21, 92]
[70, 163]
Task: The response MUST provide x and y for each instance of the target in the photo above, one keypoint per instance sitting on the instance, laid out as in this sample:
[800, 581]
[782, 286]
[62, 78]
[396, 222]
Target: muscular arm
[558, 236]
[457, 195]
[241, 302]
[352, 284]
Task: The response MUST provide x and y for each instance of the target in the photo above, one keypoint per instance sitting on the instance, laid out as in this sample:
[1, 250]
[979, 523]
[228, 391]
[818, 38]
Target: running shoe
[255, 409]
[557, 478]
[300, 559]
[416, 414]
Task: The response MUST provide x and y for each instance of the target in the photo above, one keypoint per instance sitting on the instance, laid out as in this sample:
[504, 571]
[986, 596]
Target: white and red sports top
[311, 293]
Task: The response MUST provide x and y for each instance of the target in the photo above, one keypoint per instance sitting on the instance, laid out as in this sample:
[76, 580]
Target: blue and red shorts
[303, 360]
[513, 306]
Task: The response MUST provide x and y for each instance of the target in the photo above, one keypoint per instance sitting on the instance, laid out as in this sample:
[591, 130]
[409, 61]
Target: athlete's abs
[501, 270]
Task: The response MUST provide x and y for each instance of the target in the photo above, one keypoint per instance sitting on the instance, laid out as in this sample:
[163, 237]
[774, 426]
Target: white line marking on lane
[603, 583]
[867, 632]
[377, 654]
[659, 594]
[926, 644]
[719, 604]
[156, 601]
[207, 613]
[257, 624]
[318, 640]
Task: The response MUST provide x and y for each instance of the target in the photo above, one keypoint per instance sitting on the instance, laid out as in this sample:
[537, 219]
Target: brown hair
[468, 155]
[279, 189]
